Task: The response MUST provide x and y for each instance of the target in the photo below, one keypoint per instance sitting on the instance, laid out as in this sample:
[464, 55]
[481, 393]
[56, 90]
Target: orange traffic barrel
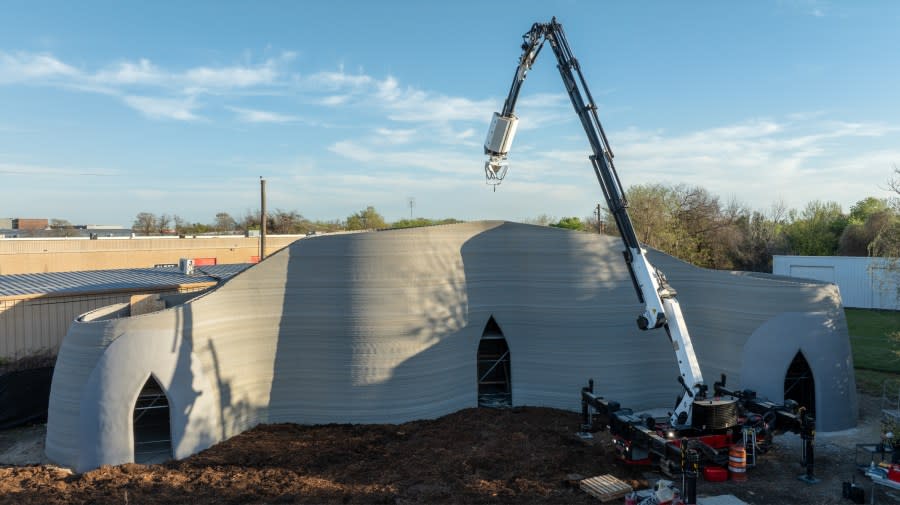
[737, 463]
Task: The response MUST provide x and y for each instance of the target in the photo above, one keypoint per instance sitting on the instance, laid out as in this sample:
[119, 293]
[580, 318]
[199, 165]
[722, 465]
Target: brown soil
[520, 455]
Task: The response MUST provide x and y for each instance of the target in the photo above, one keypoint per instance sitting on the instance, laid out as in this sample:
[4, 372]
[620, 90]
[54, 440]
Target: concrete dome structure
[386, 327]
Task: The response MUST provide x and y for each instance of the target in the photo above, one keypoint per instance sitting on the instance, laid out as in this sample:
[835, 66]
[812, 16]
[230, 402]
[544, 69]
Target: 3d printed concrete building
[397, 325]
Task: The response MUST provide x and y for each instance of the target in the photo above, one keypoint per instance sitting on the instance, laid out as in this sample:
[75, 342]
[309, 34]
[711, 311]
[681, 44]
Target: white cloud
[756, 161]
[261, 116]
[21, 169]
[142, 72]
[231, 77]
[180, 109]
[401, 103]
[163, 94]
[391, 136]
[333, 100]
[338, 80]
[22, 67]
[422, 159]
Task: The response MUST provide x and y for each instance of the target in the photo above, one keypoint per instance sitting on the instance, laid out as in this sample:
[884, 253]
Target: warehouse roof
[113, 280]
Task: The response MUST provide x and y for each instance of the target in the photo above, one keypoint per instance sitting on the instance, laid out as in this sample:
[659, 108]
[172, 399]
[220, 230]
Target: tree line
[690, 223]
[687, 222]
[287, 222]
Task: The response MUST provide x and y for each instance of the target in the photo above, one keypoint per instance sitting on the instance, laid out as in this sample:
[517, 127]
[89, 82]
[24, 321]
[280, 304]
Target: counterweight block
[714, 414]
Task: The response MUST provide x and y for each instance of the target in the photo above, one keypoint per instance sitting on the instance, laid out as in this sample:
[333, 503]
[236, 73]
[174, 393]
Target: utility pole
[262, 218]
[599, 220]
[412, 203]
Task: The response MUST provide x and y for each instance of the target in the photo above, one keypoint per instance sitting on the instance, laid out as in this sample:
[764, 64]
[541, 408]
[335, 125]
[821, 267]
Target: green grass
[875, 339]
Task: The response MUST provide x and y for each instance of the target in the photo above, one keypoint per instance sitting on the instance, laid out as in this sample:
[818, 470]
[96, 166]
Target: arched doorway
[799, 384]
[152, 432]
[494, 386]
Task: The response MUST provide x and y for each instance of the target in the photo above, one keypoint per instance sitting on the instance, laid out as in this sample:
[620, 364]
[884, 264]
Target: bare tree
[224, 223]
[180, 224]
[250, 220]
[163, 222]
[542, 220]
[286, 222]
[894, 181]
[144, 223]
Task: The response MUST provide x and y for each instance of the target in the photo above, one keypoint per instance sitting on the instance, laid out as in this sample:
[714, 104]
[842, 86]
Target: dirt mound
[471, 456]
[520, 455]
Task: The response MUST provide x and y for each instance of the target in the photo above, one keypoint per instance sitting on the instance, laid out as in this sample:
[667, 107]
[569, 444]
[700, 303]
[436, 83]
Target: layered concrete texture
[384, 327]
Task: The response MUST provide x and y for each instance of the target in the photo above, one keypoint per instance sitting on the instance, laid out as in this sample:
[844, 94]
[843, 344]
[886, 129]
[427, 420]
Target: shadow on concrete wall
[198, 422]
[335, 377]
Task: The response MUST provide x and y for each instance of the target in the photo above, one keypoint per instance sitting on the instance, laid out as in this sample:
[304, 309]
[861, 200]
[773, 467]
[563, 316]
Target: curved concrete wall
[384, 327]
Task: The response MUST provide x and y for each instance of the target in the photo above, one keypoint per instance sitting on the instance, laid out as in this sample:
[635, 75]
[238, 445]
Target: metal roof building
[37, 309]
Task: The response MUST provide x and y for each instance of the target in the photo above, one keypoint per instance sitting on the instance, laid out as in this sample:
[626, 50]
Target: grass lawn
[875, 339]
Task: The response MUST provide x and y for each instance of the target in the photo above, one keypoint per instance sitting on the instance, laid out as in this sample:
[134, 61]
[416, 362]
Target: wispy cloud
[261, 116]
[140, 72]
[393, 136]
[431, 160]
[815, 8]
[156, 92]
[43, 170]
[23, 67]
[401, 103]
[181, 109]
[756, 161]
[231, 77]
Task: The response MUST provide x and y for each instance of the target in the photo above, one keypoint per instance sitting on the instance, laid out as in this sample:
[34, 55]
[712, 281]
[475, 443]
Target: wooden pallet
[605, 487]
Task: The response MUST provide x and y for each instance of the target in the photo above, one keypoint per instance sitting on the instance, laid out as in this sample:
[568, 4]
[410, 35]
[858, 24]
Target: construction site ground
[519, 455]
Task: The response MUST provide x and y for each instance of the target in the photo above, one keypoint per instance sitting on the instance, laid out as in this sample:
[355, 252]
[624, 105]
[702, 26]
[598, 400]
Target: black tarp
[24, 396]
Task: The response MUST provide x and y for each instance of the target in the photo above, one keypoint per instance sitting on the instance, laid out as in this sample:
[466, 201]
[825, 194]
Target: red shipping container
[894, 473]
[715, 474]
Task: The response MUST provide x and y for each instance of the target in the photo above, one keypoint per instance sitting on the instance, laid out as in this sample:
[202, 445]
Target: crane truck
[706, 423]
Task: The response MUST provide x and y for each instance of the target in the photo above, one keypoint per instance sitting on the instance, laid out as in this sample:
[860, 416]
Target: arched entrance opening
[152, 432]
[494, 385]
[799, 384]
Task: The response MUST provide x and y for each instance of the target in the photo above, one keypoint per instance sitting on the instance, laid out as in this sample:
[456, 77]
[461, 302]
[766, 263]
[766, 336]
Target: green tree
[869, 219]
[367, 219]
[570, 223]
[816, 231]
[413, 223]
[863, 209]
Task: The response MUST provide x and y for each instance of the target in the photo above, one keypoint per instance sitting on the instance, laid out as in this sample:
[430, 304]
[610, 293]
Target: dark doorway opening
[494, 386]
[152, 433]
[799, 384]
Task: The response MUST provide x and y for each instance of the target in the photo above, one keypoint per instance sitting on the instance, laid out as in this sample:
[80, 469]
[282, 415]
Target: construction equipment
[700, 421]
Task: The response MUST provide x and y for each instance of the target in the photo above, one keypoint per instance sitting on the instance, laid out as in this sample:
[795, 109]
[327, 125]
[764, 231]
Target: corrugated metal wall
[23, 256]
[34, 324]
[866, 283]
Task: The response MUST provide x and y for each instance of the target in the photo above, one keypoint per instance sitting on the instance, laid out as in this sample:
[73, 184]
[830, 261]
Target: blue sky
[108, 109]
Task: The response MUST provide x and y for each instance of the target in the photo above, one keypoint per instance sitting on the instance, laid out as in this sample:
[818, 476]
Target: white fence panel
[868, 283]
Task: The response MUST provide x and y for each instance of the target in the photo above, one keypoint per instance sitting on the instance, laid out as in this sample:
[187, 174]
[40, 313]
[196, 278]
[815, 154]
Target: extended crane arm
[661, 309]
